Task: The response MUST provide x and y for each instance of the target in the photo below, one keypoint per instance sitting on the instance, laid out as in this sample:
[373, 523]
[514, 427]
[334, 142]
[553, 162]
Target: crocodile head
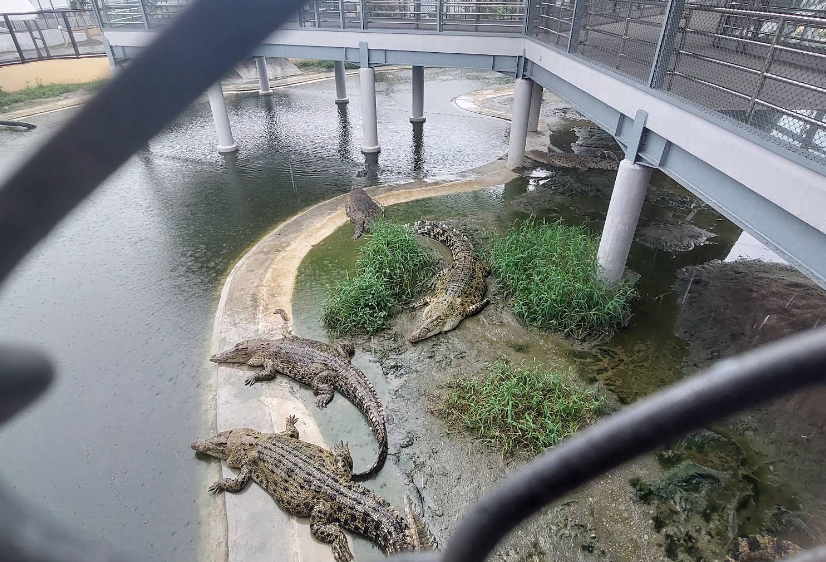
[229, 444]
[441, 315]
[243, 352]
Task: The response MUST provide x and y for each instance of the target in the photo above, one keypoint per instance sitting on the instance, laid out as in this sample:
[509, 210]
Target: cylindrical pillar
[418, 95]
[621, 222]
[263, 77]
[536, 105]
[369, 124]
[219, 115]
[519, 122]
[341, 84]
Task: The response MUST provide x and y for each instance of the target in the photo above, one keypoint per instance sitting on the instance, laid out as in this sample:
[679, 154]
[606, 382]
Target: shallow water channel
[122, 294]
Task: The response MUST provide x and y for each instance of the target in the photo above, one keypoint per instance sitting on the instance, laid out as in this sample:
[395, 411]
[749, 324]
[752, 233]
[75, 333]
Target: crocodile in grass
[457, 291]
[324, 367]
[761, 548]
[310, 481]
[362, 210]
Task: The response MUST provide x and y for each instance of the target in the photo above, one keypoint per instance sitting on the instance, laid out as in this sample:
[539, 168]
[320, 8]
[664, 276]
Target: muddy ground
[732, 307]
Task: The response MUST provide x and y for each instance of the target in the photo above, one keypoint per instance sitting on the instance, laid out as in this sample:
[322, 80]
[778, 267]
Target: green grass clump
[548, 271]
[42, 91]
[392, 268]
[322, 64]
[521, 408]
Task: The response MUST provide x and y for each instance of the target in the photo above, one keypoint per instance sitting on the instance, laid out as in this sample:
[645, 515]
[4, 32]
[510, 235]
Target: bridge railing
[762, 68]
[49, 34]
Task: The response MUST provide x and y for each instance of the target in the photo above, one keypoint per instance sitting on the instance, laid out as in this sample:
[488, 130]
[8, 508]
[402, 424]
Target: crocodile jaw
[241, 353]
[215, 446]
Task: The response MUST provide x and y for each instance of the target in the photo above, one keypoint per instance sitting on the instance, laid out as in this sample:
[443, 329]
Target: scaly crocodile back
[447, 235]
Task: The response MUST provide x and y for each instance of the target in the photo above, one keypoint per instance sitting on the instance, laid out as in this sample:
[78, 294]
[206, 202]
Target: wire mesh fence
[551, 21]
[26, 37]
[766, 69]
[622, 35]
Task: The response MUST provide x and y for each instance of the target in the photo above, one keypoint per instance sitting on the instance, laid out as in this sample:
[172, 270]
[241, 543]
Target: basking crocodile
[309, 481]
[761, 548]
[457, 291]
[324, 367]
[362, 210]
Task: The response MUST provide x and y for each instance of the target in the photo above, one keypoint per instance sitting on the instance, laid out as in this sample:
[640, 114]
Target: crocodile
[362, 210]
[761, 548]
[324, 367]
[309, 481]
[457, 291]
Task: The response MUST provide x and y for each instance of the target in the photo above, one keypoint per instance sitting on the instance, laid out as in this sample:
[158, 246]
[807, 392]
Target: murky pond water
[123, 293]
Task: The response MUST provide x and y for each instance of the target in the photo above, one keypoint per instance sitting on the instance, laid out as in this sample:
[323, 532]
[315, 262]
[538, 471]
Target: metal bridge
[728, 98]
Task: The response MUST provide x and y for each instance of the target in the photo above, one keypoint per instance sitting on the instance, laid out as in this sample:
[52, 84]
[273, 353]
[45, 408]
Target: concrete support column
[263, 77]
[418, 95]
[519, 122]
[341, 85]
[536, 105]
[369, 124]
[621, 222]
[219, 115]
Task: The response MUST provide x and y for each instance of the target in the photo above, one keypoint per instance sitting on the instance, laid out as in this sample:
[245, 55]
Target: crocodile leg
[323, 389]
[325, 530]
[343, 457]
[268, 373]
[477, 307]
[291, 431]
[233, 485]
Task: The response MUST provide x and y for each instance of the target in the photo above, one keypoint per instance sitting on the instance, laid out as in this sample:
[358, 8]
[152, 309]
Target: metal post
[341, 83]
[519, 123]
[10, 27]
[71, 34]
[529, 16]
[665, 45]
[43, 39]
[219, 115]
[576, 24]
[417, 116]
[144, 14]
[438, 15]
[263, 77]
[363, 10]
[620, 54]
[766, 66]
[34, 41]
[536, 106]
[341, 14]
[317, 15]
[369, 123]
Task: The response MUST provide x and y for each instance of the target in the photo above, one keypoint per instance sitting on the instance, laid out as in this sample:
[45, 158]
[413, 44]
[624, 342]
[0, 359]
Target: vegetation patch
[548, 272]
[521, 408]
[392, 268]
[42, 91]
[322, 64]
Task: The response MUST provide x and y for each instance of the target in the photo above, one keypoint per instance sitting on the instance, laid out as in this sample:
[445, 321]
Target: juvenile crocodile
[362, 210]
[324, 367]
[309, 481]
[458, 291]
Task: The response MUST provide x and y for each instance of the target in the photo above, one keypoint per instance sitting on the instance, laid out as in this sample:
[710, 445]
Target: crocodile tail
[419, 533]
[441, 232]
[364, 396]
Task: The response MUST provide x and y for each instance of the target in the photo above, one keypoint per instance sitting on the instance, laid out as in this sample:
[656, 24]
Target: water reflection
[418, 149]
[344, 135]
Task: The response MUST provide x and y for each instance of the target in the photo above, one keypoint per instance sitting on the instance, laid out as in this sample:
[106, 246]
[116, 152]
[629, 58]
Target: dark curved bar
[198, 49]
[727, 387]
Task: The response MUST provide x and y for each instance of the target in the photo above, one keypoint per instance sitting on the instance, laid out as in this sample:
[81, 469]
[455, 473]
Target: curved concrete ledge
[259, 284]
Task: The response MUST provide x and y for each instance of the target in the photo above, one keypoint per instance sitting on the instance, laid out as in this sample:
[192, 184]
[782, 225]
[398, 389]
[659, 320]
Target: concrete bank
[259, 285]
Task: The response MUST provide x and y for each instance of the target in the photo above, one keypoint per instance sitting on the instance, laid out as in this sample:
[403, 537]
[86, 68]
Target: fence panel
[49, 35]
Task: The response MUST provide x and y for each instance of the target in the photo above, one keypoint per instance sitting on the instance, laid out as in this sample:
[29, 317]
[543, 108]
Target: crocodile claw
[250, 380]
[217, 488]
